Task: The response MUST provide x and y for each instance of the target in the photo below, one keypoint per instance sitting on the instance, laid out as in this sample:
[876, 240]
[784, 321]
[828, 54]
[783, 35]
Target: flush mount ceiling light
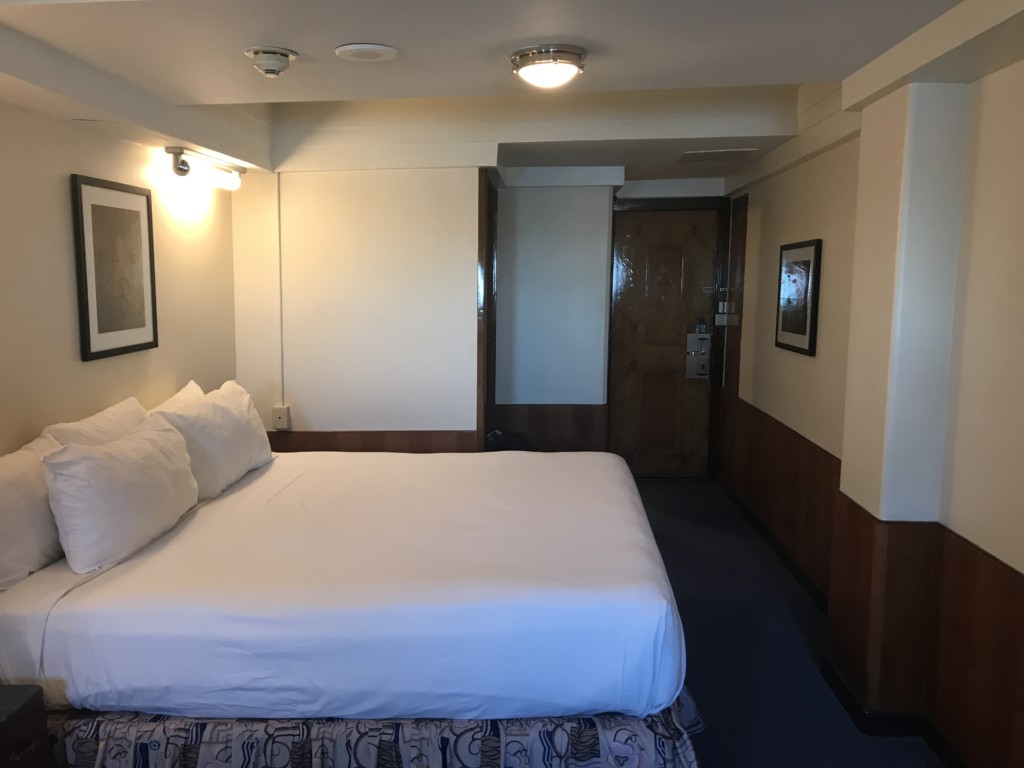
[269, 60]
[548, 66]
[222, 174]
[365, 53]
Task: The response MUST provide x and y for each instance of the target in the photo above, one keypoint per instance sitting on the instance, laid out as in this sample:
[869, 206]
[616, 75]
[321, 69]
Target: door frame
[723, 207]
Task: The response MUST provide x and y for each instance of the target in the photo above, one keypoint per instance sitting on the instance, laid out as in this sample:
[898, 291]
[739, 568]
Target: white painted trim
[570, 176]
[969, 41]
[641, 188]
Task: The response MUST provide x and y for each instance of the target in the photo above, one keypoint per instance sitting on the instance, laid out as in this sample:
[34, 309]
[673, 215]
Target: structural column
[906, 256]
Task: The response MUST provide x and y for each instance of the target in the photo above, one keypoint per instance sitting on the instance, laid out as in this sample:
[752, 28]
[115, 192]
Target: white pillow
[28, 535]
[187, 394]
[109, 424]
[225, 437]
[111, 500]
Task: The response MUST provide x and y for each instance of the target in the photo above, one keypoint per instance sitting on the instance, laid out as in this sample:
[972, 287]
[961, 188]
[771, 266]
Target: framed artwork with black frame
[796, 321]
[114, 264]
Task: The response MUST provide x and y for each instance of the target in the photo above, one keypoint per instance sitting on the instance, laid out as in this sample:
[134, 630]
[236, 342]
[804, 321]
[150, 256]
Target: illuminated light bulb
[548, 66]
[549, 74]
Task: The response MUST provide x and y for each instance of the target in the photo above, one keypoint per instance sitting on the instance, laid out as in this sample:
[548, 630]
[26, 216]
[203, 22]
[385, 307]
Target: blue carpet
[754, 639]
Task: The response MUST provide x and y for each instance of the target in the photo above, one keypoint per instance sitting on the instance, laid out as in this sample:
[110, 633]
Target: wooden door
[663, 282]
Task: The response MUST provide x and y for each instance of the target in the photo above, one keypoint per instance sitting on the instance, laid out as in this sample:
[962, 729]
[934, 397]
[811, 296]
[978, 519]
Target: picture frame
[114, 264]
[796, 318]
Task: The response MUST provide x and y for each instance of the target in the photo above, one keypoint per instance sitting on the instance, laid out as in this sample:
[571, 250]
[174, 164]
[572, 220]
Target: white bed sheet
[372, 585]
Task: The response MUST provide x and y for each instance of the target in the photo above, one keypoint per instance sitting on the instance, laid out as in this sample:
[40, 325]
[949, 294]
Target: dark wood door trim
[487, 241]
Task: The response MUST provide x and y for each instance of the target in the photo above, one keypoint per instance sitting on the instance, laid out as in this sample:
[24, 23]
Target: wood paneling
[787, 483]
[881, 607]
[976, 696]
[556, 427]
[395, 441]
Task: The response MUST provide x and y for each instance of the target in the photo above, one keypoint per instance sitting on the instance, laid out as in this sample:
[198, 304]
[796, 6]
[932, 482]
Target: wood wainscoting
[786, 482]
[925, 629]
[881, 607]
[976, 681]
[422, 441]
[555, 427]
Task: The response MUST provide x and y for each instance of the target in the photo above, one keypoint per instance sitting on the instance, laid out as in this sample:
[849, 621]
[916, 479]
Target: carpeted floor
[754, 638]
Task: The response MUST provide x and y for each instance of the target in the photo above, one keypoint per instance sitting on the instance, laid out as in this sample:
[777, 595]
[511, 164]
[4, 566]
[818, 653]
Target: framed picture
[114, 261]
[796, 322]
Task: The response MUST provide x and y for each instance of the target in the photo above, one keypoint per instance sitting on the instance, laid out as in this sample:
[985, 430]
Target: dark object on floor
[23, 739]
[497, 440]
[754, 639]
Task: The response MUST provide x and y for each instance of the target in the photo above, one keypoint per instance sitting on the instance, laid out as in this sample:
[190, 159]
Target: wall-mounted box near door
[698, 355]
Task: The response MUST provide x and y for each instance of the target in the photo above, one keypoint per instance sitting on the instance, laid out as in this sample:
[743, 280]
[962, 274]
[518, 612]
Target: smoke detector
[270, 60]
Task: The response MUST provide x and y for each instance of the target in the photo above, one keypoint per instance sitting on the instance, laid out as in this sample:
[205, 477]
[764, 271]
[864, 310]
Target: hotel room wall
[258, 291]
[42, 377]
[976, 695]
[378, 287]
[782, 459]
[984, 501]
[815, 199]
[924, 619]
[553, 284]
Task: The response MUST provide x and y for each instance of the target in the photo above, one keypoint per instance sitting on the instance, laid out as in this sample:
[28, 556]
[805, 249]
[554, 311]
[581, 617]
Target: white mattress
[372, 585]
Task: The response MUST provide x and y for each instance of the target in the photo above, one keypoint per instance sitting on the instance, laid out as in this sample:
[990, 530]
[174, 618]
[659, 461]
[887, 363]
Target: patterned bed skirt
[133, 740]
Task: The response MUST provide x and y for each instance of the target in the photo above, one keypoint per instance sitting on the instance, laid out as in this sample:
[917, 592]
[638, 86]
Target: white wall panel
[379, 293]
[553, 288]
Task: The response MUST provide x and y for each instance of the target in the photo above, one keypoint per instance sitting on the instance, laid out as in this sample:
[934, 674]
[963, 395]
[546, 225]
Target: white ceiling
[453, 54]
[190, 51]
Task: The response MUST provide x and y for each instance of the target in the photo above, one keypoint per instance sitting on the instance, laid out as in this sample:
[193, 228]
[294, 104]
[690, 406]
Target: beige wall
[378, 293]
[258, 290]
[42, 377]
[984, 500]
[816, 199]
[880, 201]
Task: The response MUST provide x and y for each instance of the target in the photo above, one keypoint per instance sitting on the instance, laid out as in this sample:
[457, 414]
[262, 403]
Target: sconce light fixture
[224, 175]
[548, 66]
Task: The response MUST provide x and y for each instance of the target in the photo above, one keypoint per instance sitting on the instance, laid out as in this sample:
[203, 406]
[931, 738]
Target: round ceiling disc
[365, 53]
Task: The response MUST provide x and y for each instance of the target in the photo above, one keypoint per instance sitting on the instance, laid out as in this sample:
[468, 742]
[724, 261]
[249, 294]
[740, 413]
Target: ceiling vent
[716, 155]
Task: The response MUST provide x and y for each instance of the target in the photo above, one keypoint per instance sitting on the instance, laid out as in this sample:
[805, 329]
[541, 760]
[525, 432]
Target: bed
[356, 603]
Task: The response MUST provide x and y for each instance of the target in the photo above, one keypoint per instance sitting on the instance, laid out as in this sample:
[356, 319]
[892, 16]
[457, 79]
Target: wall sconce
[222, 174]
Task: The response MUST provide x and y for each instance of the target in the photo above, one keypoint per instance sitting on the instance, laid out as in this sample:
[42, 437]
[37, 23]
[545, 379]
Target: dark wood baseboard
[395, 441]
[555, 427]
[885, 724]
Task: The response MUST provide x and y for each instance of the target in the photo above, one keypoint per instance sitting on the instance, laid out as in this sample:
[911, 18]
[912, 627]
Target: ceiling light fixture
[223, 174]
[365, 53]
[548, 66]
[269, 60]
